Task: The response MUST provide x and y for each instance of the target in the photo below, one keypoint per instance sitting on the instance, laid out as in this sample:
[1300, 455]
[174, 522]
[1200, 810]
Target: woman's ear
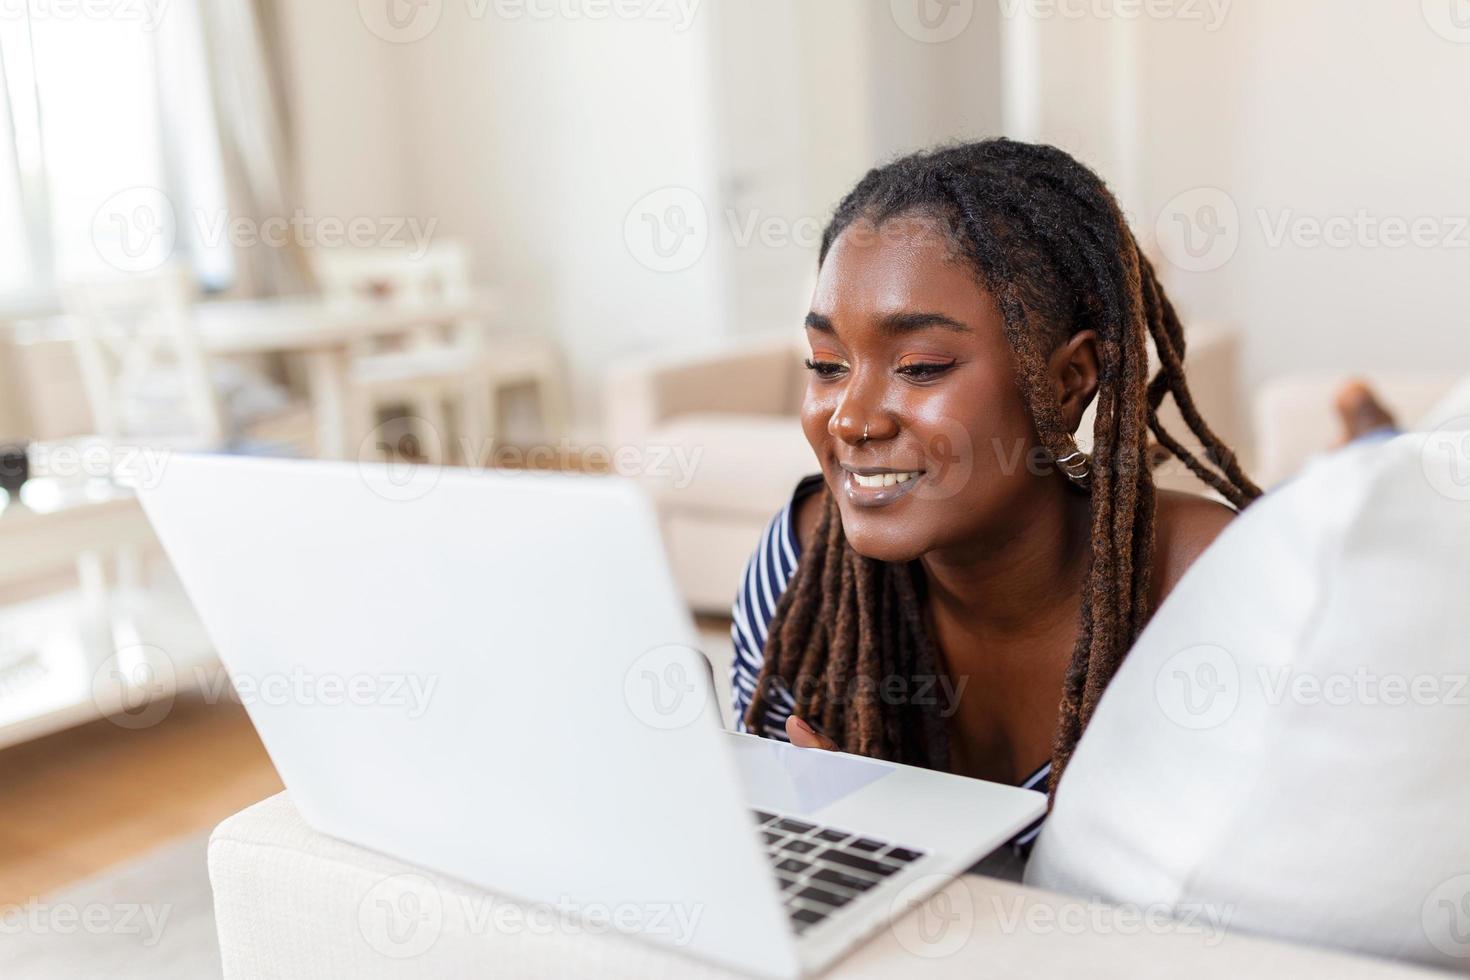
[1073, 371]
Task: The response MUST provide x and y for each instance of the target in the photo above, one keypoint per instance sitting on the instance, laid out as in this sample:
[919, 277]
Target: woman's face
[908, 346]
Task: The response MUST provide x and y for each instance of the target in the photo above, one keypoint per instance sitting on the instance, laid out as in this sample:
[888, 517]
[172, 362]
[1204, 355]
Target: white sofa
[291, 903]
[736, 406]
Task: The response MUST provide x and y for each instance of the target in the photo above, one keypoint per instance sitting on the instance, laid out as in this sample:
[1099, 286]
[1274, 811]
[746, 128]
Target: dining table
[323, 333]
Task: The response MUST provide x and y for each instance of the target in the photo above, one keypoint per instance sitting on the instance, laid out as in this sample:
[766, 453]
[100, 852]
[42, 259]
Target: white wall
[533, 139]
[1303, 111]
[1297, 110]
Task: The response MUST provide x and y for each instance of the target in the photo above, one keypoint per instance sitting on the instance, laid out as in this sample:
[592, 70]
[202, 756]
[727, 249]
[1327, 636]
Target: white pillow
[1287, 748]
[1453, 410]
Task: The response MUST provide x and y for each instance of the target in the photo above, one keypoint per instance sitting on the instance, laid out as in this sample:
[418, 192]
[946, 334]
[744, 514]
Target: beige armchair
[731, 412]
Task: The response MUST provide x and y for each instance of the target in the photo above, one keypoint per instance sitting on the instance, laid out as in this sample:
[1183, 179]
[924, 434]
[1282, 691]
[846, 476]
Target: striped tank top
[766, 575]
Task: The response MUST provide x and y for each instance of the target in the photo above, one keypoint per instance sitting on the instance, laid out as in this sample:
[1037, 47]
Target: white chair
[147, 378]
[458, 368]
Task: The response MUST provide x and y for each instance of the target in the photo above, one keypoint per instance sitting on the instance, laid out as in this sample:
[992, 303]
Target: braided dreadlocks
[1049, 242]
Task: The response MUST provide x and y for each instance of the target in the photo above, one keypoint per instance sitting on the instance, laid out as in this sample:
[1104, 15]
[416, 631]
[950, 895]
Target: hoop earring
[1076, 465]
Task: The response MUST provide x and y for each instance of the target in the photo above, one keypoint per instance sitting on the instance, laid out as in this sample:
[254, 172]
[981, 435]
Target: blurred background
[581, 234]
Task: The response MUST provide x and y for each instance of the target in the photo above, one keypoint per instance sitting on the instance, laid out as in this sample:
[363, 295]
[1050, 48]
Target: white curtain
[244, 65]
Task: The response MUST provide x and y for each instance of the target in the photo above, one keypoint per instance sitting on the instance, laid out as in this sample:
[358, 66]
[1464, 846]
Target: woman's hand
[805, 736]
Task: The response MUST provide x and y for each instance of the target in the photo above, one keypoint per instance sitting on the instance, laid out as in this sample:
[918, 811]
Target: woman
[959, 584]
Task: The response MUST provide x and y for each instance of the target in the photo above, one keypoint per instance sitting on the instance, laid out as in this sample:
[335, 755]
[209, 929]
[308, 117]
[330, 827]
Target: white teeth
[881, 479]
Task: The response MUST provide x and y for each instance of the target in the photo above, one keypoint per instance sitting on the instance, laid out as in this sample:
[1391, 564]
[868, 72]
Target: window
[108, 148]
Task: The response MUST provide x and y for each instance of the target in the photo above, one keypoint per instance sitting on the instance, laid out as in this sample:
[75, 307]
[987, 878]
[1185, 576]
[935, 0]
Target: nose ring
[865, 432]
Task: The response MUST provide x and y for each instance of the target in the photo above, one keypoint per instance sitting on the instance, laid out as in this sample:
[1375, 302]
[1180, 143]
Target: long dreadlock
[1048, 240]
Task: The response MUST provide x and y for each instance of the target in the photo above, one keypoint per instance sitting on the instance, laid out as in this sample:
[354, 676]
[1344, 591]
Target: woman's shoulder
[806, 510]
[1185, 524]
[787, 536]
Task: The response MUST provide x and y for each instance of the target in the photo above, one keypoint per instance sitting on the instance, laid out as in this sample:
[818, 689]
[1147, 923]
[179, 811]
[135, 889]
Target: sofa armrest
[292, 903]
[1294, 419]
[750, 376]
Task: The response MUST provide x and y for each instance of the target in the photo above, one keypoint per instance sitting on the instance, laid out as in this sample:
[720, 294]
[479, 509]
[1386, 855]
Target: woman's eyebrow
[901, 323]
[894, 323]
[819, 323]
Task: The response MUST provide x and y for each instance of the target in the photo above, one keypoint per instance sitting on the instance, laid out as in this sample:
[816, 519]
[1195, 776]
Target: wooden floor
[79, 801]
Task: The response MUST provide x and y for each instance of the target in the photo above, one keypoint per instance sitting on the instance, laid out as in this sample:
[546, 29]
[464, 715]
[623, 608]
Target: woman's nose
[859, 419]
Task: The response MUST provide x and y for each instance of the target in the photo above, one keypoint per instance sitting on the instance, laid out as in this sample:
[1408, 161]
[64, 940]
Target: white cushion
[1288, 743]
[1451, 411]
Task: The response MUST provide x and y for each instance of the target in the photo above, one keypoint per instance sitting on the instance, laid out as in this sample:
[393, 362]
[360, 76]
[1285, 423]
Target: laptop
[490, 674]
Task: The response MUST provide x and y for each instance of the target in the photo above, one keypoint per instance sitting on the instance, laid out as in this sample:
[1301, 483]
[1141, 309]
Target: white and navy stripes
[766, 576]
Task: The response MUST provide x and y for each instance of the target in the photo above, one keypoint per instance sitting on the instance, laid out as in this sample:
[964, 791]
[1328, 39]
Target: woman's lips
[875, 488]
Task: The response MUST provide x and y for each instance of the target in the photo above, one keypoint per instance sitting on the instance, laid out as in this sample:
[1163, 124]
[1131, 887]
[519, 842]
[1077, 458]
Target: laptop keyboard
[821, 869]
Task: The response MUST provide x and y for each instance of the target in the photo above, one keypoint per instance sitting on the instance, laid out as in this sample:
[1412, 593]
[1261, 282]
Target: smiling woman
[961, 582]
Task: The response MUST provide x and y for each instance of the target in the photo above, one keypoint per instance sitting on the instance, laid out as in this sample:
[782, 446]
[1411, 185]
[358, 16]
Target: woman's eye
[924, 369]
[824, 369]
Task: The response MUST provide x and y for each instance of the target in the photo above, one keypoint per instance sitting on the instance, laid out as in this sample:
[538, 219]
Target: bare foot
[1360, 410]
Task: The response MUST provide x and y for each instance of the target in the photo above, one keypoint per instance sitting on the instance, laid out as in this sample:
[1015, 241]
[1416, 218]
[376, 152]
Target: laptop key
[771, 838]
[808, 916]
[794, 826]
[902, 854]
[762, 816]
[836, 856]
[813, 894]
[793, 865]
[866, 844]
[785, 883]
[831, 876]
[832, 836]
[799, 846]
